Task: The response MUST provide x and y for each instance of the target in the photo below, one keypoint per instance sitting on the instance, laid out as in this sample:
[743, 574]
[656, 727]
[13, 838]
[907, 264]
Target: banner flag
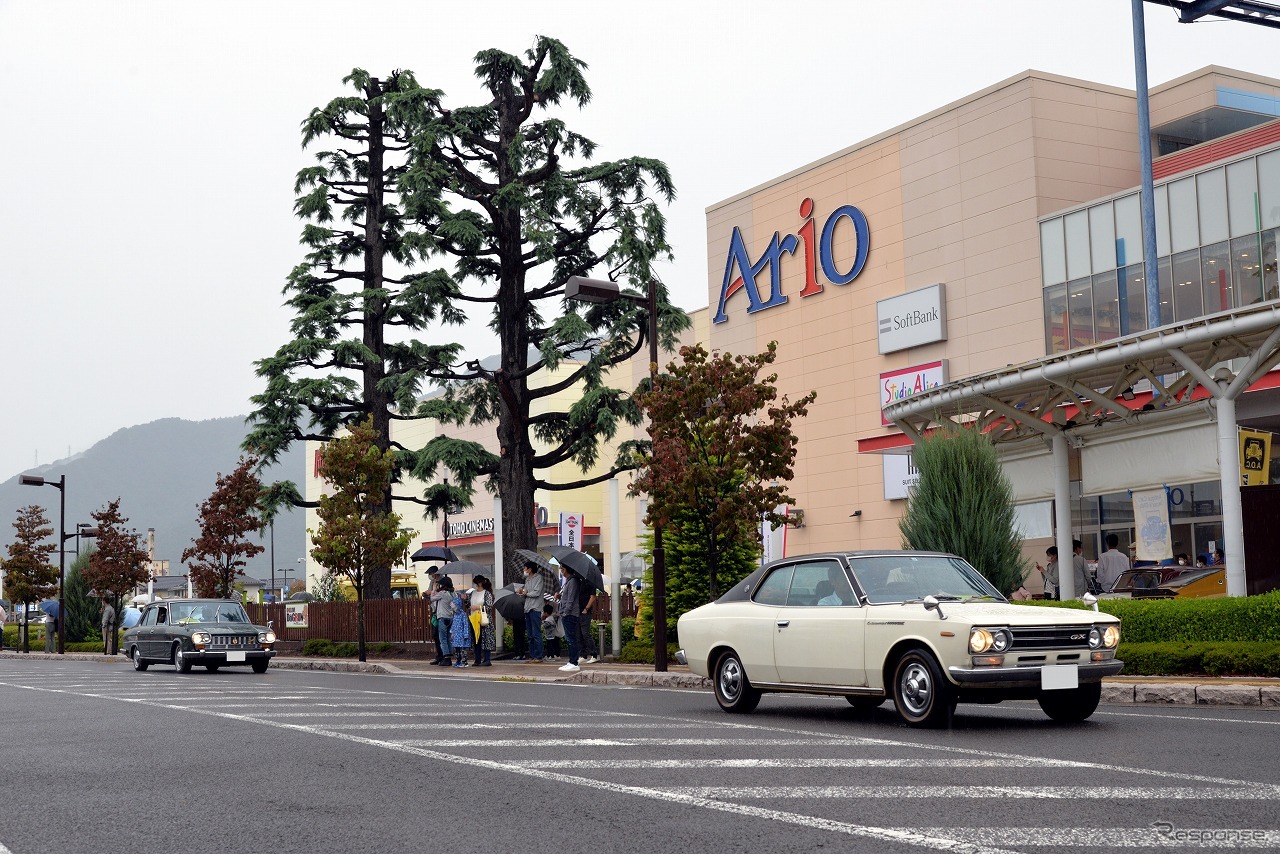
[571, 527]
[1151, 517]
[1255, 458]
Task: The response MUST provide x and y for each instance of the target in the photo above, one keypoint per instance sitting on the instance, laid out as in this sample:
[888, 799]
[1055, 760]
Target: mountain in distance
[161, 472]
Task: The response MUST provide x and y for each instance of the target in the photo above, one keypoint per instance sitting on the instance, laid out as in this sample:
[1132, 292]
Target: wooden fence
[399, 621]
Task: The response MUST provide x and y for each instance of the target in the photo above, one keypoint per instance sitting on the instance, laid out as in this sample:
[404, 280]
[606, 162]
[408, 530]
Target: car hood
[976, 613]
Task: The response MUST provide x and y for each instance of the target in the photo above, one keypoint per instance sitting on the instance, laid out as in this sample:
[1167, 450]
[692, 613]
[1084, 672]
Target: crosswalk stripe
[792, 763]
[1159, 835]
[625, 742]
[1100, 793]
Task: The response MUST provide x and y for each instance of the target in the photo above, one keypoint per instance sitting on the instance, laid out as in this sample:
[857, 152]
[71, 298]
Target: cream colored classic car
[924, 629]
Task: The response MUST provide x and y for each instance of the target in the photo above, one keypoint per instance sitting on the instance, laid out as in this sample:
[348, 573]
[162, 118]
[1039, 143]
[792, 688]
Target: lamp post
[601, 291]
[61, 485]
[83, 529]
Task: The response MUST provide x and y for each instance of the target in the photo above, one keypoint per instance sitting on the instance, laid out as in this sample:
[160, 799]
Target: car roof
[204, 601]
[742, 589]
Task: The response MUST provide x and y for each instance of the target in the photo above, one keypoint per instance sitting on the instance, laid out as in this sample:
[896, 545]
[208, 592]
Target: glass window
[1076, 226]
[1184, 232]
[1133, 299]
[1269, 189]
[1128, 230]
[1205, 498]
[1211, 190]
[1080, 308]
[1246, 270]
[1102, 237]
[1215, 271]
[149, 618]
[820, 583]
[1106, 307]
[1186, 286]
[1053, 252]
[773, 590]
[1242, 197]
[1166, 291]
[1270, 287]
[1162, 221]
[1117, 508]
[1055, 319]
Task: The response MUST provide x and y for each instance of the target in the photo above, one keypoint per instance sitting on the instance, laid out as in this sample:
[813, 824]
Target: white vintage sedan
[922, 628]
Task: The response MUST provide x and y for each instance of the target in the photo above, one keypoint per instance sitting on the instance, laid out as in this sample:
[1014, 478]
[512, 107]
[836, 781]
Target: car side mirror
[931, 604]
[1090, 600]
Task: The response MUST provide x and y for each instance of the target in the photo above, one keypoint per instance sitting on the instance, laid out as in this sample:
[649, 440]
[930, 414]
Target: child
[460, 631]
[553, 631]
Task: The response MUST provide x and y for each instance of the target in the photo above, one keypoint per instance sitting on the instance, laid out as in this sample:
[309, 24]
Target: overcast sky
[150, 149]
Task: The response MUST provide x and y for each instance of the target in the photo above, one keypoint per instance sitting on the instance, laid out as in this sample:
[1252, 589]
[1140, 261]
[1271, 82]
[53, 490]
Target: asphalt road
[99, 758]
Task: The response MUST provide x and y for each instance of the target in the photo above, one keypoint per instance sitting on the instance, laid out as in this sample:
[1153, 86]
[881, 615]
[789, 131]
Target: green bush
[1233, 618]
[1172, 658]
[319, 647]
[347, 649]
[641, 652]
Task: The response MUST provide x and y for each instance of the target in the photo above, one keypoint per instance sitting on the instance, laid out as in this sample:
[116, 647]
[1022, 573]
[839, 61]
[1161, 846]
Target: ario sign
[912, 319]
[817, 251]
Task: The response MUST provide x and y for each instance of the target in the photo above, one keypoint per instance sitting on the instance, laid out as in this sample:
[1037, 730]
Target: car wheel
[1073, 705]
[138, 662]
[733, 690]
[260, 666]
[212, 668]
[864, 704]
[181, 663]
[922, 695]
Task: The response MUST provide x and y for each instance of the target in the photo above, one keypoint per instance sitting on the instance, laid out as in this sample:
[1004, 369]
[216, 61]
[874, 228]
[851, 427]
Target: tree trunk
[360, 621]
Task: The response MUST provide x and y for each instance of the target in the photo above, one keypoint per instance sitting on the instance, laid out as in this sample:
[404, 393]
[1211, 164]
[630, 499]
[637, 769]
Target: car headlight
[1000, 640]
[1111, 636]
[1095, 638]
[201, 638]
[266, 637]
[980, 640]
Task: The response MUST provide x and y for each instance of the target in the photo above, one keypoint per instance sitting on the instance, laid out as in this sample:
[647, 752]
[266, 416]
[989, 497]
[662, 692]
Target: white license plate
[1057, 676]
[235, 656]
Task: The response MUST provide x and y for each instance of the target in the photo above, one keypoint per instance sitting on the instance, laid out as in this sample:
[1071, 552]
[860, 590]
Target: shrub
[346, 649]
[318, 646]
[1173, 658]
[1235, 618]
[641, 652]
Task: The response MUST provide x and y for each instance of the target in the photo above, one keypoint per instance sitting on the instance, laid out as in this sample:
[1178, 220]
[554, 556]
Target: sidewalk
[1147, 690]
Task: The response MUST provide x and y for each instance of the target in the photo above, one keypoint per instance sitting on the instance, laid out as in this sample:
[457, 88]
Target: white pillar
[1232, 514]
[1062, 518]
[499, 568]
[615, 568]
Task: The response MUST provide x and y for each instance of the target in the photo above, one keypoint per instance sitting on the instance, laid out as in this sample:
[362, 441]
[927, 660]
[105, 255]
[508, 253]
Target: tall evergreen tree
[963, 504]
[84, 613]
[28, 574]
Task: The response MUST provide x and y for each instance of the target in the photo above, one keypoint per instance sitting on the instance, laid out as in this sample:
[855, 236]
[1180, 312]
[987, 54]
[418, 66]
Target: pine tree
[84, 613]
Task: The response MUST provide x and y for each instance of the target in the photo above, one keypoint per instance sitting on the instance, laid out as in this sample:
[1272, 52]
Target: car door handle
[782, 624]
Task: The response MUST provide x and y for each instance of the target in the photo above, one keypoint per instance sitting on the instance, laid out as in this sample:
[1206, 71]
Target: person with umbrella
[486, 641]
[108, 628]
[532, 590]
[567, 609]
[585, 568]
[50, 608]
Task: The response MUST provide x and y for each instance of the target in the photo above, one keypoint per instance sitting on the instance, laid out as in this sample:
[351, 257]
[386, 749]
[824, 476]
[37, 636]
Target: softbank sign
[742, 274]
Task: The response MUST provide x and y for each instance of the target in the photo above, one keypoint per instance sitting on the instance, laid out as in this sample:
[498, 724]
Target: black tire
[181, 663]
[1070, 706]
[864, 704]
[921, 693]
[260, 666]
[733, 689]
[139, 663]
[212, 668]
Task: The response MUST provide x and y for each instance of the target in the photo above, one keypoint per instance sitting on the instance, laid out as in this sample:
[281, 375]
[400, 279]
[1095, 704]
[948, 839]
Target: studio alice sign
[903, 383]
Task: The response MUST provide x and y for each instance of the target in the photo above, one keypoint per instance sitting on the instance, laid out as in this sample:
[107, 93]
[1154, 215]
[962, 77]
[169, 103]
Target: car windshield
[904, 578]
[207, 612]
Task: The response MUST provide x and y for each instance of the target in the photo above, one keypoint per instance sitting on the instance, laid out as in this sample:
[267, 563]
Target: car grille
[234, 641]
[1050, 637]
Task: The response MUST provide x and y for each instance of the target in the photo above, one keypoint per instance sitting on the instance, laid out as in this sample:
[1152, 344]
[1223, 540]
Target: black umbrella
[509, 603]
[580, 564]
[524, 557]
[434, 553]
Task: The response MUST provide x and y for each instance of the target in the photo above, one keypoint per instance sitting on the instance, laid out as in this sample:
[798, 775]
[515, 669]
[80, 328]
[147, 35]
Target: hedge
[1228, 619]
[1232, 658]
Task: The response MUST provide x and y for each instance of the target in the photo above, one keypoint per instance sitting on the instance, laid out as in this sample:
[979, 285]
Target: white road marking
[1076, 793]
[1162, 836]
[792, 763]
[633, 742]
[525, 723]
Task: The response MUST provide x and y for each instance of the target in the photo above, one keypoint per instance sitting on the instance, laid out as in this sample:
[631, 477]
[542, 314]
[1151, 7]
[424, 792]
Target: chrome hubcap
[730, 679]
[916, 688]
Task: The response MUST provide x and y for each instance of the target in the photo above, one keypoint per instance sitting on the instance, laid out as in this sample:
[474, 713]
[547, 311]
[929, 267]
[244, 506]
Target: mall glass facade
[1216, 235]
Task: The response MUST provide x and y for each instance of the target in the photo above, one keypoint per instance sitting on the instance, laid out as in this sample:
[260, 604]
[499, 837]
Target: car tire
[181, 663]
[921, 693]
[260, 666]
[1073, 705]
[212, 668]
[863, 704]
[139, 663]
[733, 689]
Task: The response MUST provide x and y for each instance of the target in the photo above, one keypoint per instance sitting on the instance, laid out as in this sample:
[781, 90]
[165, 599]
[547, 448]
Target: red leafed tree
[219, 555]
[118, 563]
[28, 574]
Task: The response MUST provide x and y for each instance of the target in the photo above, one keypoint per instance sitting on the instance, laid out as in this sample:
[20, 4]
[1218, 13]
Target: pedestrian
[1079, 569]
[442, 613]
[108, 629]
[1050, 572]
[475, 607]
[460, 632]
[1111, 563]
[50, 632]
[568, 611]
[587, 601]
[532, 591]
[1217, 558]
[486, 638]
[552, 631]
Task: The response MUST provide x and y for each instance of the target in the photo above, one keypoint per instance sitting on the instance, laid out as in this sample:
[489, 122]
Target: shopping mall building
[984, 264]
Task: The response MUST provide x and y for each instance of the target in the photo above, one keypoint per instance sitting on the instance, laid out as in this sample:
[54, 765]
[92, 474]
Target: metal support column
[1062, 518]
[1232, 514]
[1152, 275]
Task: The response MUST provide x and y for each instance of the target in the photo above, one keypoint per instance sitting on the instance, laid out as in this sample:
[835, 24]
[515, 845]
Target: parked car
[210, 632]
[1204, 583]
[924, 629]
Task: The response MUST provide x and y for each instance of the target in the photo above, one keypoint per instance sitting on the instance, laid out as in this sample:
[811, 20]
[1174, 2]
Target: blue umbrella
[50, 607]
[130, 617]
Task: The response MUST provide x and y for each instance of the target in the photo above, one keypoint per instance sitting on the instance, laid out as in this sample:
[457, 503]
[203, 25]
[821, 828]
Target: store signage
[571, 529]
[741, 273]
[900, 474]
[906, 382]
[295, 615]
[1151, 517]
[477, 527]
[912, 319]
[1255, 458]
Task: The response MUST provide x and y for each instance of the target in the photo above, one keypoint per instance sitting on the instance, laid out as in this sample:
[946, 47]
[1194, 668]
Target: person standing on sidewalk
[587, 601]
[486, 640]
[50, 632]
[568, 607]
[532, 591]
[108, 629]
[1111, 564]
[442, 614]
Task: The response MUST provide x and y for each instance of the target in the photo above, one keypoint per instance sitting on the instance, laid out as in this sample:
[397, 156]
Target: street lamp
[61, 485]
[602, 291]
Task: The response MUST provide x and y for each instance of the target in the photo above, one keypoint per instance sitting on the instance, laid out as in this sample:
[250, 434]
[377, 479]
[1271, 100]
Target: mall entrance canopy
[1086, 399]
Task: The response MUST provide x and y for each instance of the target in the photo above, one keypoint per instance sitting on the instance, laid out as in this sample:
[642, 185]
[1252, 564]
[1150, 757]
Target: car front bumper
[1025, 677]
[219, 656]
